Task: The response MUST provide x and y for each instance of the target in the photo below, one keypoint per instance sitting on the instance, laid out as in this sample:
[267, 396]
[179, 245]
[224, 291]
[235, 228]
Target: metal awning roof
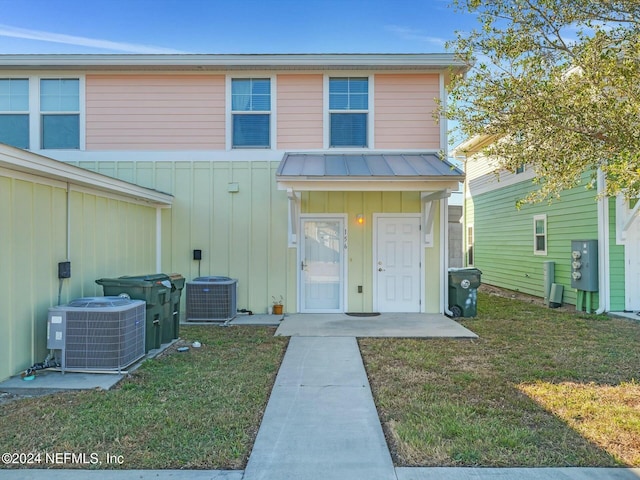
[370, 171]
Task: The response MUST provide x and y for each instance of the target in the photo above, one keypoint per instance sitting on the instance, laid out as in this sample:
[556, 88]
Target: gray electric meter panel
[584, 265]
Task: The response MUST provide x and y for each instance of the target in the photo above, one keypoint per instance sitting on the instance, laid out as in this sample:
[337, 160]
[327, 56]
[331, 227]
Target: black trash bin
[463, 291]
[177, 284]
[155, 290]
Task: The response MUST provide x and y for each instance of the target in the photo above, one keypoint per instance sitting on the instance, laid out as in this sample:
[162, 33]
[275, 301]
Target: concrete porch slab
[628, 315]
[51, 381]
[409, 325]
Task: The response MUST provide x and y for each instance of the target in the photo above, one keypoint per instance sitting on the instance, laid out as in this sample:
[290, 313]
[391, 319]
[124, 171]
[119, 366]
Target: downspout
[68, 220]
[444, 253]
[158, 239]
[444, 211]
[603, 247]
[67, 240]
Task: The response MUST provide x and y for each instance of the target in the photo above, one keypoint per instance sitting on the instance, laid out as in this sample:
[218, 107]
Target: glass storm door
[321, 265]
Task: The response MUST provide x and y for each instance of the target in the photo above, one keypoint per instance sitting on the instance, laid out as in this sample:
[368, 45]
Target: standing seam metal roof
[366, 165]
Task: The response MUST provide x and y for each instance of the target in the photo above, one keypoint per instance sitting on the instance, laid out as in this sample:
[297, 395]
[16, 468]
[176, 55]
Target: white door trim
[631, 249]
[343, 291]
[374, 266]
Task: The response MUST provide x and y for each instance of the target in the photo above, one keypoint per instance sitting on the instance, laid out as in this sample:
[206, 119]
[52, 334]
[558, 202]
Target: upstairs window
[540, 235]
[60, 113]
[251, 112]
[348, 111]
[14, 112]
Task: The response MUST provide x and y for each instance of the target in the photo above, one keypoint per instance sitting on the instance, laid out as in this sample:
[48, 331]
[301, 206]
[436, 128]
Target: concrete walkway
[321, 422]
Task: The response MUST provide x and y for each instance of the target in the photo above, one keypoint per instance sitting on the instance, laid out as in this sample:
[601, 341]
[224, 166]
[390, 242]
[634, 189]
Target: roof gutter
[205, 62]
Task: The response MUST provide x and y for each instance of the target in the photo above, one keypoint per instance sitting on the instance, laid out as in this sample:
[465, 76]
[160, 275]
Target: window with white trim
[540, 234]
[251, 112]
[60, 113]
[348, 111]
[14, 112]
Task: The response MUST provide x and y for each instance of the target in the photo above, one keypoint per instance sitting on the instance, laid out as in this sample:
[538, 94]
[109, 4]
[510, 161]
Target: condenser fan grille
[94, 337]
[211, 299]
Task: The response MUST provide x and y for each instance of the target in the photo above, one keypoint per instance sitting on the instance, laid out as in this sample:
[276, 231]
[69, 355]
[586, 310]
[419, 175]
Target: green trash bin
[177, 284]
[463, 291]
[155, 290]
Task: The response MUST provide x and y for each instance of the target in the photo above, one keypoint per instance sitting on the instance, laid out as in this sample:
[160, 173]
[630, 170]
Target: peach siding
[299, 111]
[403, 111]
[155, 112]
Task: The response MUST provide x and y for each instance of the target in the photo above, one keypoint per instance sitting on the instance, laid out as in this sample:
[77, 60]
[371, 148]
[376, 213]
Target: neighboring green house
[511, 246]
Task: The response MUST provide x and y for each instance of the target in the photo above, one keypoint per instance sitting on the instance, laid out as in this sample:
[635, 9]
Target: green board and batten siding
[503, 236]
[247, 229]
[242, 235]
[107, 236]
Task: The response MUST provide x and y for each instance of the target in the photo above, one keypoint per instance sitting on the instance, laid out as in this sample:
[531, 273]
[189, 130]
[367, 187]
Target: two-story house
[511, 246]
[317, 178]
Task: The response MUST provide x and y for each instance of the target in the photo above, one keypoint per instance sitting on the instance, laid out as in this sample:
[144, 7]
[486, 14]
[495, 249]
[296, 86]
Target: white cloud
[407, 33]
[16, 32]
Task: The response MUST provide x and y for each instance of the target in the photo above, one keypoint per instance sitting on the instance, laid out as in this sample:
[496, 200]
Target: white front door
[321, 265]
[397, 264]
[632, 267]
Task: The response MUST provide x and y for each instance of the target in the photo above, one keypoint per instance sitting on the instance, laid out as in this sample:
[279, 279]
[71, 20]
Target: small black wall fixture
[197, 255]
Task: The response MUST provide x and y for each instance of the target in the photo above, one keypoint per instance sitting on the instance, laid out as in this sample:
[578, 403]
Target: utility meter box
[584, 265]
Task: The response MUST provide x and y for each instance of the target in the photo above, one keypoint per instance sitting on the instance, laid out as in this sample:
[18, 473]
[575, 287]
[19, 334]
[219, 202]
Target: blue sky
[228, 26]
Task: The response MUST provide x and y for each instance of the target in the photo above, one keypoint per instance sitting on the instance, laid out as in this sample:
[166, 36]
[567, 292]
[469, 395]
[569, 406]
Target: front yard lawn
[538, 388]
[199, 410]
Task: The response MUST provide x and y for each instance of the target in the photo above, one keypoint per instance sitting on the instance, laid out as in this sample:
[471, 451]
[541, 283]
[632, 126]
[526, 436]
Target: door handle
[381, 269]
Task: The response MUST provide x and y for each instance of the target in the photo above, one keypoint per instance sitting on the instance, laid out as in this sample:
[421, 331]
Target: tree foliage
[559, 83]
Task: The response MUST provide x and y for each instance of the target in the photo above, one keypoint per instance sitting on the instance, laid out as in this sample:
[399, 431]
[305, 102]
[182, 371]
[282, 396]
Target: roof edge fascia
[427, 61]
[39, 165]
[473, 145]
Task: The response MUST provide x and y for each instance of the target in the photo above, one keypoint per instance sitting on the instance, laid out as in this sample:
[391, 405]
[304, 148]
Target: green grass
[517, 395]
[538, 388]
[199, 410]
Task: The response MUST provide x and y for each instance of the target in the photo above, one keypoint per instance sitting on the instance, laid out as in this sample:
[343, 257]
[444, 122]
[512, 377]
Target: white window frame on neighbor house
[536, 234]
[231, 113]
[370, 141]
[36, 114]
